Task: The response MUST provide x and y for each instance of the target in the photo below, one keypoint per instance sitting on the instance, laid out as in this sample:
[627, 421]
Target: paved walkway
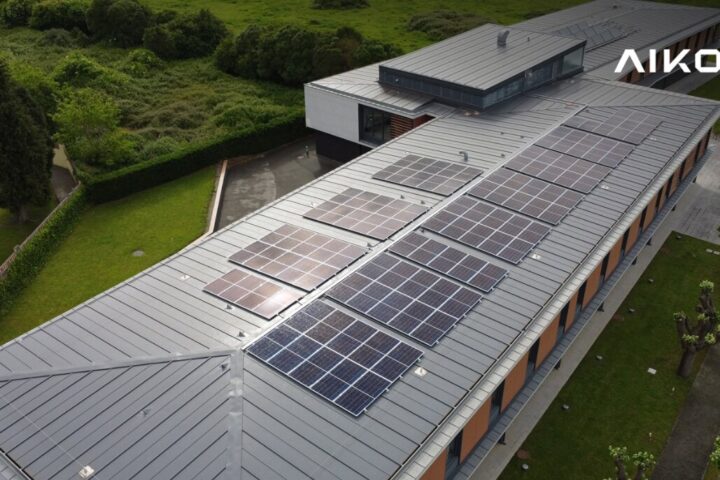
[686, 454]
[252, 184]
[61, 181]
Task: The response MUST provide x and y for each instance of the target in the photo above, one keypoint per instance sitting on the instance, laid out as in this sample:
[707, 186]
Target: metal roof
[249, 418]
[474, 59]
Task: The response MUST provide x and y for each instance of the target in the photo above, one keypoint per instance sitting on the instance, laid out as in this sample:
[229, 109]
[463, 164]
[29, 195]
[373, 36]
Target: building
[508, 178]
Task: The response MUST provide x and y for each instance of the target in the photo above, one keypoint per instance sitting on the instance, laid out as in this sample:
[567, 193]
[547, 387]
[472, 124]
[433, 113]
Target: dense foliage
[339, 4]
[65, 14]
[120, 22]
[186, 36]
[441, 24]
[25, 148]
[16, 13]
[293, 55]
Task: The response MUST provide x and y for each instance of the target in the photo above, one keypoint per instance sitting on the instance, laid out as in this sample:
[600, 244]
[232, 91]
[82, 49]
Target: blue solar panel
[342, 359]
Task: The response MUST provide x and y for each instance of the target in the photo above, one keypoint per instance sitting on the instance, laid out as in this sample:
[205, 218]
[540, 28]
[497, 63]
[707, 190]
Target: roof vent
[86, 472]
[502, 37]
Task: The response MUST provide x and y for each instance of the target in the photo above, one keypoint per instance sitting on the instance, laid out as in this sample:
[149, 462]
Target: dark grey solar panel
[585, 145]
[370, 214]
[253, 293]
[488, 228]
[298, 256]
[343, 359]
[626, 124]
[531, 196]
[450, 261]
[407, 298]
[597, 34]
[559, 168]
[427, 174]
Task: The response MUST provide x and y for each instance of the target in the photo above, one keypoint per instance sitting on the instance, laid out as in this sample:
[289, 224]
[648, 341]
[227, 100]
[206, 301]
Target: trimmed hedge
[134, 178]
[36, 252]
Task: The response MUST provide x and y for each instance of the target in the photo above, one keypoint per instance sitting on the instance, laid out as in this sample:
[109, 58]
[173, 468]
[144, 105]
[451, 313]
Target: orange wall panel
[633, 236]
[650, 212]
[437, 469]
[547, 340]
[475, 429]
[571, 311]
[675, 181]
[514, 381]
[593, 284]
[614, 258]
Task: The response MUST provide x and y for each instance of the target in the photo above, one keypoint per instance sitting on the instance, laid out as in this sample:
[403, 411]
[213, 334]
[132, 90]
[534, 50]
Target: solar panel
[585, 145]
[252, 292]
[559, 168]
[409, 299]
[597, 35]
[427, 174]
[345, 360]
[534, 197]
[490, 229]
[445, 259]
[370, 214]
[298, 256]
[627, 125]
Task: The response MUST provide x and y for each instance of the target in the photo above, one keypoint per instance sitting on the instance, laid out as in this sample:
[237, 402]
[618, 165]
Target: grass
[710, 90]
[615, 401]
[12, 234]
[98, 255]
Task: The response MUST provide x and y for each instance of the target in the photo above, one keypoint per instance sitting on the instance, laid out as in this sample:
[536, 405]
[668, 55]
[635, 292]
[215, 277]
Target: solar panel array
[427, 174]
[597, 35]
[298, 256]
[405, 297]
[253, 293]
[531, 196]
[491, 229]
[585, 145]
[445, 259]
[559, 168]
[345, 360]
[367, 213]
[627, 125]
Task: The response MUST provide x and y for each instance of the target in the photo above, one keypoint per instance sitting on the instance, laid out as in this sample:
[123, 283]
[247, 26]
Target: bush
[57, 37]
[441, 24]
[137, 177]
[65, 14]
[79, 71]
[39, 248]
[140, 62]
[42, 88]
[120, 22]
[339, 4]
[186, 36]
[16, 13]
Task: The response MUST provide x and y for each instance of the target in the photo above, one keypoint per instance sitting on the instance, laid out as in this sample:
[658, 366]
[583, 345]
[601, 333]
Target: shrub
[120, 22]
[339, 4]
[186, 36]
[140, 62]
[65, 14]
[16, 13]
[79, 71]
[441, 24]
[57, 37]
[42, 88]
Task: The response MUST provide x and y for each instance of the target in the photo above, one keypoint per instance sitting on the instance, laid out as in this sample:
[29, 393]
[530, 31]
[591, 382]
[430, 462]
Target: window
[581, 299]
[563, 321]
[532, 360]
[572, 61]
[624, 243]
[496, 404]
[507, 90]
[603, 269]
[453, 458]
[374, 125]
[538, 75]
[642, 219]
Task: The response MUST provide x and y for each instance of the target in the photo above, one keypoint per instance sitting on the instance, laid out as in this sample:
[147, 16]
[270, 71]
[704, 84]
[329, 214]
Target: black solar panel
[585, 145]
[487, 228]
[627, 125]
[253, 293]
[370, 214]
[345, 360]
[597, 35]
[427, 174]
[410, 299]
[298, 256]
[559, 168]
[531, 196]
[450, 261]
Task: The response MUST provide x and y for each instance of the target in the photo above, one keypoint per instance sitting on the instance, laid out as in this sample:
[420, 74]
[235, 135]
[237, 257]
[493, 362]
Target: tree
[16, 13]
[121, 22]
[186, 36]
[26, 149]
[715, 454]
[65, 14]
[643, 462]
[701, 334]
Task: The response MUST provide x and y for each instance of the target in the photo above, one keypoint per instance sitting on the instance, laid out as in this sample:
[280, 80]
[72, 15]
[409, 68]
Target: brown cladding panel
[547, 340]
[475, 430]
[633, 235]
[592, 285]
[675, 180]
[614, 258]
[572, 306]
[650, 211]
[437, 469]
[514, 382]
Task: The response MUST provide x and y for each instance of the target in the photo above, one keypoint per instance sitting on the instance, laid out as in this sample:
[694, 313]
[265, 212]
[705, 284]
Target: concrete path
[61, 181]
[686, 454]
[253, 183]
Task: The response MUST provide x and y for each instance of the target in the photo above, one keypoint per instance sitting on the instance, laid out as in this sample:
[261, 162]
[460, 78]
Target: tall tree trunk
[686, 363]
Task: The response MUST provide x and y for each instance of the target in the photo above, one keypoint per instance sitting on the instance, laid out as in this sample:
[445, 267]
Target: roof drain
[502, 38]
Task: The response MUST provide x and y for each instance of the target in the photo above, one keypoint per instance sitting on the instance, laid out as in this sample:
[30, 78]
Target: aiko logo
[670, 63]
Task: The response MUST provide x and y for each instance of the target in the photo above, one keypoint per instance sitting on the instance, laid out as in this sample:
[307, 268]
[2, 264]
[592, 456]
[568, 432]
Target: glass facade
[539, 75]
[572, 61]
[374, 125]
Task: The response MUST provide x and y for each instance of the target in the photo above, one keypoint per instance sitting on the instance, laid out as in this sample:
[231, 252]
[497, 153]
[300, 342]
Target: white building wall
[332, 113]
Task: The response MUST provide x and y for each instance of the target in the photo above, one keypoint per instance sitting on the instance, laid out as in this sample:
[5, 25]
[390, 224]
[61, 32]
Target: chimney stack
[502, 38]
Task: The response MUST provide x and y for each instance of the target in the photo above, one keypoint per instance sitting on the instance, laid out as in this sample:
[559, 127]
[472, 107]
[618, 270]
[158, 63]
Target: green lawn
[12, 233]
[615, 401]
[98, 253]
[710, 90]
